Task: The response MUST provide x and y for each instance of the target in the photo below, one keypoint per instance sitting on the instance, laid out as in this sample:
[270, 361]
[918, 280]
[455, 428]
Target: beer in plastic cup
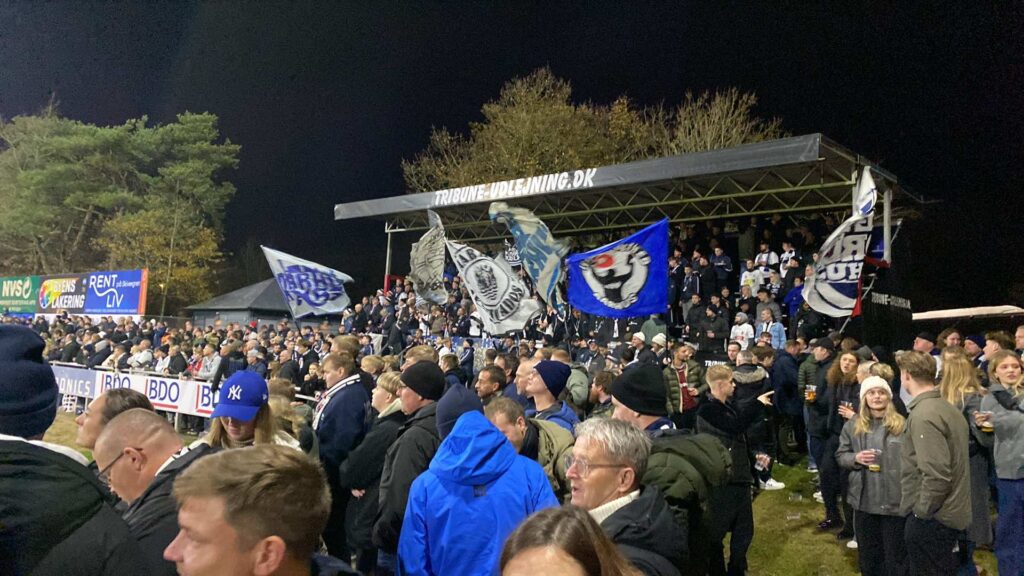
[986, 426]
[810, 393]
[876, 465]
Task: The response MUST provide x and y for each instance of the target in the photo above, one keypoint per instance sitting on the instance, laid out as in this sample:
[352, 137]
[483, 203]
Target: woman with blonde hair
[870, 451]
[361, 471]
[564, 541]
[242, 417]
[1002, 421]
[959, 385]
[843, 404]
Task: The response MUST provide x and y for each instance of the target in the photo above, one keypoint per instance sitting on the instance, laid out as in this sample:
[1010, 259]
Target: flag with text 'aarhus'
[426, 265]
[833, 288]
[539, 252]
[500, 295]
[308, 287]
[623, 279]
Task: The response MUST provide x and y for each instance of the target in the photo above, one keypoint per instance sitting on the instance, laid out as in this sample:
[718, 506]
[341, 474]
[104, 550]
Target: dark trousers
[816, 448]
[880, 545]
[334, 532]
[930, 547]
[730, 510]
[834, 481]
[1010, 527]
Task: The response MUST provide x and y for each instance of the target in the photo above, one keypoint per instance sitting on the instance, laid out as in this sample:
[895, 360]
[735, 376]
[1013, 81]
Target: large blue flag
[623, 279]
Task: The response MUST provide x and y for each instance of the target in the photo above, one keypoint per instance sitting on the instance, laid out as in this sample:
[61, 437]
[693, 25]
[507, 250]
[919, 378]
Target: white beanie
[874, 382]
[659, 339]
[640, 336]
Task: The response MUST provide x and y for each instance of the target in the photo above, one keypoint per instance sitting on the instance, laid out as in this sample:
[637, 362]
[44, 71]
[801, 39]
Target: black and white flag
[500, 296]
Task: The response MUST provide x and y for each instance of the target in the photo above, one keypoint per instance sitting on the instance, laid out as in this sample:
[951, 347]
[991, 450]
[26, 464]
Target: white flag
[833, 288]
[308, 287]
[426, 263]
[500, 296]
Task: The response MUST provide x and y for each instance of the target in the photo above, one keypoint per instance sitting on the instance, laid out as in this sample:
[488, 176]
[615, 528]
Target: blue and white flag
[501, 297]
[308, 287]
[832, 290]
[539, 252]
[623, 279]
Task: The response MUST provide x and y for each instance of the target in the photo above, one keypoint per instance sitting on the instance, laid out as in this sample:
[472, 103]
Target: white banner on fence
[192, 397]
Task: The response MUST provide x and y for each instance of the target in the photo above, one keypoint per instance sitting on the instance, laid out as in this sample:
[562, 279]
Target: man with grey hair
[605, 468]
[140, 455]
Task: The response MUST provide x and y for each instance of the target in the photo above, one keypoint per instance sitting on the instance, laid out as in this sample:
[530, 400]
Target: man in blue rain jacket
[474, 494]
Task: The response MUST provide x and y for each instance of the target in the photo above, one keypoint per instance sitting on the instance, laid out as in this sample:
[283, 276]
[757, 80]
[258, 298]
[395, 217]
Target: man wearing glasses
[139, 456]
[605, 468]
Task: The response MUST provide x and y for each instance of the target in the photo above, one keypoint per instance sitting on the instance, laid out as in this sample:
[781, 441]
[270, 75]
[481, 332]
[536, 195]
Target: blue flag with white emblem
[308, 287]
[538, 250]
[623, 279]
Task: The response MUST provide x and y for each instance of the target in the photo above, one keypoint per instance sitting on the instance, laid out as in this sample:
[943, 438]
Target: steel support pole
[887, 225]
[387, 258]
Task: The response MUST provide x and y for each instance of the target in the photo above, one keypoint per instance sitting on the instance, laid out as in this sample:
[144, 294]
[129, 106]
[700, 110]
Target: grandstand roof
[265, 295]
[790, 175]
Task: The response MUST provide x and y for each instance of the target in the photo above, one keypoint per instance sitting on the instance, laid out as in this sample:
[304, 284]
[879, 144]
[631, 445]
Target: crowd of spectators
[579, 445]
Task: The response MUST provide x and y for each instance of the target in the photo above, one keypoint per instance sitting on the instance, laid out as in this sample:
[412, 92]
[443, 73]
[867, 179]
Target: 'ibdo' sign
[111, 380]
[206, 399]
[164, 394]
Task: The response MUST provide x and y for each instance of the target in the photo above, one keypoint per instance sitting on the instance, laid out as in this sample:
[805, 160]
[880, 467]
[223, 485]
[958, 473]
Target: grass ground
[786, 541]
[64, 429]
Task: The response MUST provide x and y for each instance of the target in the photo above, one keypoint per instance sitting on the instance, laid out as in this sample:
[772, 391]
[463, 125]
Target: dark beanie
[554, 374]
[425, 378]
[456, 401]
[641, 389]
[28, 390]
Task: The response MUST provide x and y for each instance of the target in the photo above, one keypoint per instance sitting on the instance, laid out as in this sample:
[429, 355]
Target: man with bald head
[139, 455]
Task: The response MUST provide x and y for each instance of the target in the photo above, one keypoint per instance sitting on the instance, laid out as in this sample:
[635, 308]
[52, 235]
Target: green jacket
[805, 375]
[578, 384]
[686, 468]
[694, 378]
[935, 479]
[555, 443]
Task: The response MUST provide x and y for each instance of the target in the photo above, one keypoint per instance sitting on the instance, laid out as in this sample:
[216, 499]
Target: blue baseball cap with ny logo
[241, 396]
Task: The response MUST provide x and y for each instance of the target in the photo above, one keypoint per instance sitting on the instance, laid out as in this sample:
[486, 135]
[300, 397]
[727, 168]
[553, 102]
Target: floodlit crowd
[406, 440]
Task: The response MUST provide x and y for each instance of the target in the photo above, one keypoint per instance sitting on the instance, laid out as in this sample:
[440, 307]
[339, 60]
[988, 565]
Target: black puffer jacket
[647, 534]
[362, 471]
[55, 518]
[153, 517]
[407, 458]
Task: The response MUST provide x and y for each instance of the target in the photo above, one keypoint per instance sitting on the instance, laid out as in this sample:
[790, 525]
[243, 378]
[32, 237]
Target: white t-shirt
[742, 334]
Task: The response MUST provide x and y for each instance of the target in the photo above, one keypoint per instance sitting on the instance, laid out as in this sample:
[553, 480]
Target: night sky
[326, 99]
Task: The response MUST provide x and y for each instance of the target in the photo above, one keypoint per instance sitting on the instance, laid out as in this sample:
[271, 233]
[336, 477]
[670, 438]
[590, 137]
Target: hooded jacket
[55, 517]
[153, 516]
[473, 495]
[751, 381]
[407, 458]
[647, 534]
